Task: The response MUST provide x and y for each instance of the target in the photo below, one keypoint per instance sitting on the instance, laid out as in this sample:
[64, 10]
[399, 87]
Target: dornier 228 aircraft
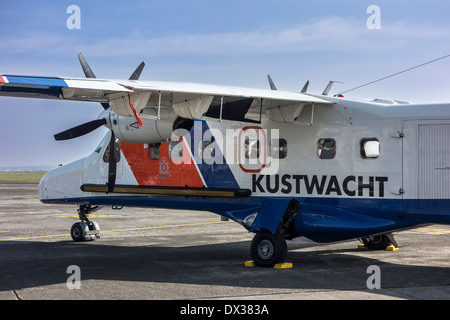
[281, 164]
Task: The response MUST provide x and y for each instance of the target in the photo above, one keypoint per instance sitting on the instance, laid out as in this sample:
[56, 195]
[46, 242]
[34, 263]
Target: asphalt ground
[155, 254]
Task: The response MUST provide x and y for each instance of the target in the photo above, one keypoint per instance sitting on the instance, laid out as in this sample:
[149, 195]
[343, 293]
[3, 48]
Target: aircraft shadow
[27, 264]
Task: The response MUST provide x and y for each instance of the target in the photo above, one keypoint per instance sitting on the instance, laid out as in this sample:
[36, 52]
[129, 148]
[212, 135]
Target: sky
[226, 42]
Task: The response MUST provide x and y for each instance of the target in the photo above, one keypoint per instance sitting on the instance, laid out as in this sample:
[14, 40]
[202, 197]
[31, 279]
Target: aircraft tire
[78, 232]
[380, 242]
[267, 249]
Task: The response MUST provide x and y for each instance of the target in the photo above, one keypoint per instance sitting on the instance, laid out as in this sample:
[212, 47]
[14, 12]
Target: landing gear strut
[86, 230]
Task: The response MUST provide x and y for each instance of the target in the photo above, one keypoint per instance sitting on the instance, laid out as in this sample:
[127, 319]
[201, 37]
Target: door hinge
[397, 134]
[398, 191]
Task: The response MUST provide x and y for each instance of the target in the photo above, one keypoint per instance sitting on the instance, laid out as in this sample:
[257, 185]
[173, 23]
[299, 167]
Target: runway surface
[160, 254]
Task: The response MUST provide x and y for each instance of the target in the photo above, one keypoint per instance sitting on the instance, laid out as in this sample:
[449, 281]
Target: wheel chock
[391, 248]
[362, 247]
[249, 264]
[284, 265]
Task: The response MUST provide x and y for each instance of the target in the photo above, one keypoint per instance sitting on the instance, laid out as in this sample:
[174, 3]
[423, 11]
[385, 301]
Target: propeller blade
[271, 83]
[80, 130]
[137, 73]
[86, 68]
[305, 87]
[89, 74]
[112, 163]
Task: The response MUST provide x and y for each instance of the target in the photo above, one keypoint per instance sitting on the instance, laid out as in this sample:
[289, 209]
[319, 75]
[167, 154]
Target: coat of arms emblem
[164, 168]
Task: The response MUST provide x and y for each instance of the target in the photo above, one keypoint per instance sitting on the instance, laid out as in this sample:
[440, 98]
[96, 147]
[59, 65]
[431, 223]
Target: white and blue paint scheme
[282, 164]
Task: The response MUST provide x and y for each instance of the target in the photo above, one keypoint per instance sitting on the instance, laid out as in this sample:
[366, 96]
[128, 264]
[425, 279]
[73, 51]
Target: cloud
[35, 42]
[330, 33]
[315, 35]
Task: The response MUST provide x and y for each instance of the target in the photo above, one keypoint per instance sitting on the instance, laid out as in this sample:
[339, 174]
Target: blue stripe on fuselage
[320, 219]
[215, 175]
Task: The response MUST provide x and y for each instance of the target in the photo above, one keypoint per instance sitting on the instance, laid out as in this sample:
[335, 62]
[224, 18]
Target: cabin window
[206, 149]
[154, 151]
[370, 148]
[251, 148]
[278, 148]
[176, 149]
[117, 149]
[326, 148]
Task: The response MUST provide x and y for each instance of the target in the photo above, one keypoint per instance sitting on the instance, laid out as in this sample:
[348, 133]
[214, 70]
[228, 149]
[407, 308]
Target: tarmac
[154, 254]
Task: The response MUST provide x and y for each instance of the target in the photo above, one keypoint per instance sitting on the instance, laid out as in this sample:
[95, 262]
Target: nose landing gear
[86, 230]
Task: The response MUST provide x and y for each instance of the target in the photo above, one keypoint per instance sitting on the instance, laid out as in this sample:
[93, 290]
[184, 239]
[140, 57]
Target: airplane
[281, 164]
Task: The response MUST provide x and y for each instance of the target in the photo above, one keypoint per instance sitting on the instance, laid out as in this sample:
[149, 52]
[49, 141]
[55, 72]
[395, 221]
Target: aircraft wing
[59, 88]
[189, 100]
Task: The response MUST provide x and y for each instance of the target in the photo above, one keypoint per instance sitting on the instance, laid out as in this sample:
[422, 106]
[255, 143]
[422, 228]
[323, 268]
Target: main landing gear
[85, 230]
[267, 249]
[379, 242]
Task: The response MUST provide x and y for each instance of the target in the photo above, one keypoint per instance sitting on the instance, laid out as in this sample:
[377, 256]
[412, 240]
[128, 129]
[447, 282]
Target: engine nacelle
[154, 131]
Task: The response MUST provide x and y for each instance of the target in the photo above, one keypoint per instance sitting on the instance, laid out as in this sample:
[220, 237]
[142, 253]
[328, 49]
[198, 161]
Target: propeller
[112, 163]
[89, 74]
[90, 126]
[80, 130]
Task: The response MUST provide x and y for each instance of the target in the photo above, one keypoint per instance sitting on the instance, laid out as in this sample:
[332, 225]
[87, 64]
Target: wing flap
[203, 101]
[185, 91]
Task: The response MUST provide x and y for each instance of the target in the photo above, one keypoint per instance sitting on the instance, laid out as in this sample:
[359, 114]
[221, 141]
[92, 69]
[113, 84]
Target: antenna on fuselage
[395, 74]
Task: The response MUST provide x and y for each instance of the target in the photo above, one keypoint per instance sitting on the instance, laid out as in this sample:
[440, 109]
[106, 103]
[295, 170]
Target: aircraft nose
[62, 183]
[43, 187]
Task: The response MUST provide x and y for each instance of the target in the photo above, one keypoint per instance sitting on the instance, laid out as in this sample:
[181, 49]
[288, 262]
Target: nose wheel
[85, 230]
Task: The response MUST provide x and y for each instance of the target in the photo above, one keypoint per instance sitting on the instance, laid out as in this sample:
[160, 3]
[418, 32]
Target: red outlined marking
[264, 143]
